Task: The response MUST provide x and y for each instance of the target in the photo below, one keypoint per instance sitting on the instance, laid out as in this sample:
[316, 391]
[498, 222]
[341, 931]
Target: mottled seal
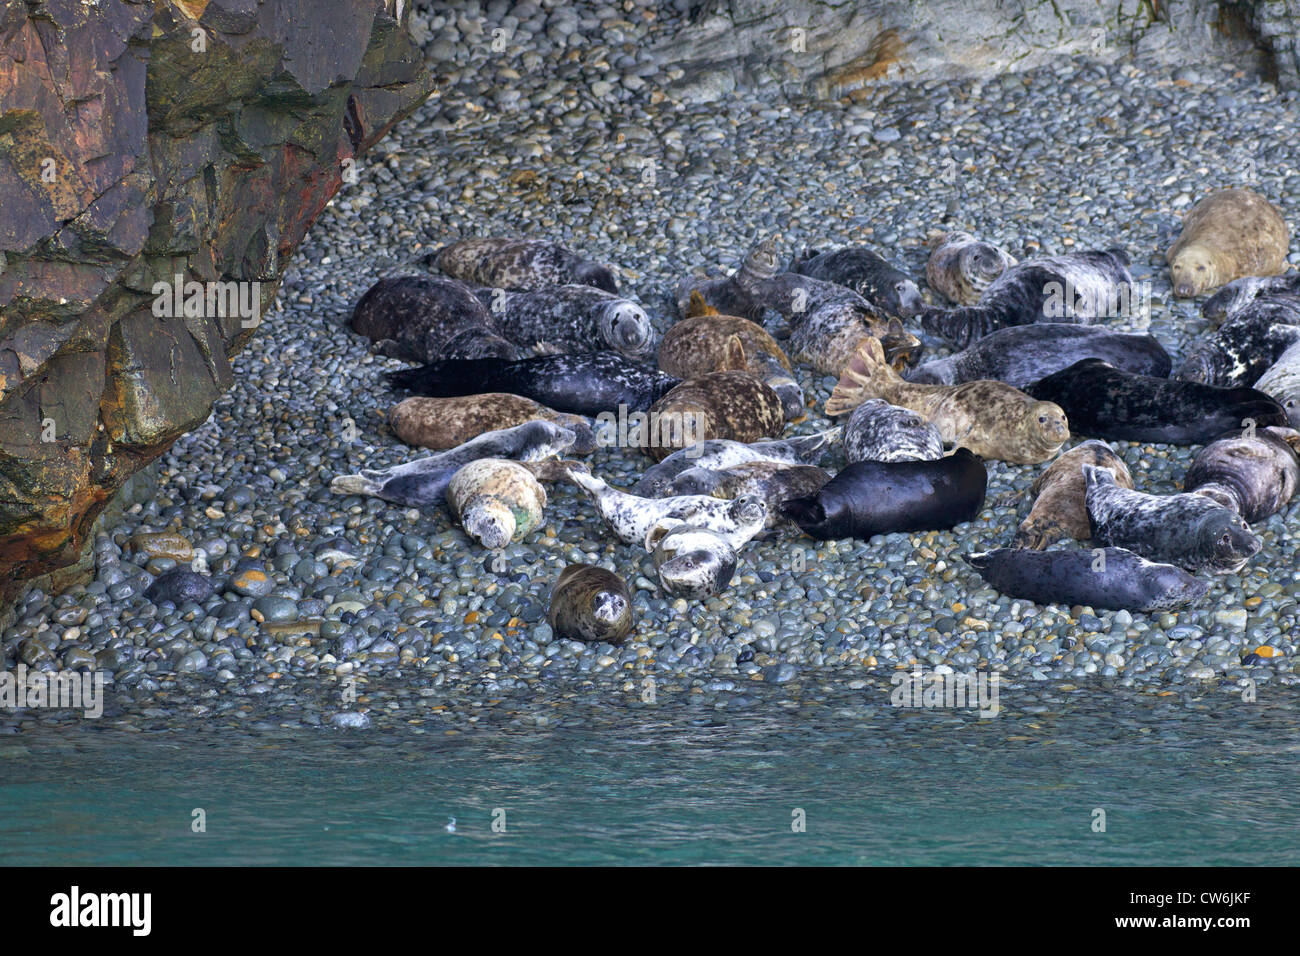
[441, 423]
[570, 319]
[731, 405]
[1081, 287]
[879, 431]
[586, 384]
[1254, 474]
[590, 604]
[496, 501]
[632, 518]
[522, 264]
[425, 319]
[719, 453]
[889, 289]
[879, 497]
[1282, 383]
[961, 267]
[1107, 402]
[1229, 234]
[1246, 345]
[700, 342]
[773, 482]
[1110, 578]
[693, 563]
[1021, 354]
[990, 418]
[422, 482]
[828, 322]
[1059, 496]
[1189, 530]
[1239, 293]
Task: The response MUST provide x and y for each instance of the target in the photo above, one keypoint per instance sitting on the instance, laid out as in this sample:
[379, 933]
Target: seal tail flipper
[354, 485]
[865, 376]
[587, 482]
[1031, 538]
[697, 306]
[733, 356]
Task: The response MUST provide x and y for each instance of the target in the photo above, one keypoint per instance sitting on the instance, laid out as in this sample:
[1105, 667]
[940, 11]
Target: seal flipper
[865, 376]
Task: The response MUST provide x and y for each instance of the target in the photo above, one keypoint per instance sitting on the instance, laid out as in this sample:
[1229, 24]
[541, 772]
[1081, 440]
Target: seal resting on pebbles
[961, 267]
[496, 501]
[522, 264]
[1229, 234]
[1254, 473]
[878, 431]
[720, 453]
[1059, 507]
[590, 604]
[570, 319]
[693, 563]
[442, 423]
[733, 405]
[425, 319]
[866, 273]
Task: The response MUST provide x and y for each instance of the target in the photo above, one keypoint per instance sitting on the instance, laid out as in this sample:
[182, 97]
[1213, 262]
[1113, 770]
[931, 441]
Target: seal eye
[1042, 419]
[1200, 268]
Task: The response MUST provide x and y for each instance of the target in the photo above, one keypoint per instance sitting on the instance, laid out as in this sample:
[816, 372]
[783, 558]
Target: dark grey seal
[869, 275]
[521, 264]
[1254, 473]
[424, 320]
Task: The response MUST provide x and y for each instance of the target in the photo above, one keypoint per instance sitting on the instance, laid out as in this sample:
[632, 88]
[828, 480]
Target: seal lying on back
[1058, 494]
[1255, 474]
[1246, 345]
[878, 431]
[1189, 530]
[1229, 234]
[570, 318]
[423, 482]
[867, 274]
[521, 264]
[425, 319]
[877, 497]
[961, 267]
[441, 423]
[1022, 354]
[773, 482]
[719, 454]
[586, 384]
[1282, 383]
[1114, 579]
[991, 419]
[1081, 288]
[1110, 403]
[1239, 293]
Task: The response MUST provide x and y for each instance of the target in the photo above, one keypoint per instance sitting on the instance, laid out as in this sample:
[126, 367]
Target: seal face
[886, 288]
[693, 562]
[1229, 234]
[718, 454]
[1189, 530]
[1239, 293]
[1254, 474]
[585, 384]
[1246, 345]
[423, 482]
[425, 319]
[773, 482]
[730, 405]
[442, 423]
[961, 267]
[990, 418]
[1081, 288]
[1022, 354]
[522, 264]
[1110, 403]
[878, 431]
[570, 319]
[1058, 495]
[1111, 578]
[590, 604]
[496, 501]
[876, 497]
[1282, 383]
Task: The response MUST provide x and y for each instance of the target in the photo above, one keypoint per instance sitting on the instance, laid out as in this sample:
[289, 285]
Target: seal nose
[1183, 290]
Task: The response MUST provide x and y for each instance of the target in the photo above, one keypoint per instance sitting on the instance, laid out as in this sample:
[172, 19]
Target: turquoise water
[1206, 782]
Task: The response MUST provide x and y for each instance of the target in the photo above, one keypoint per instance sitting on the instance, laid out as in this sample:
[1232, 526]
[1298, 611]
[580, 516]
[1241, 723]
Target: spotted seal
[521, 264]
[590, 604]
[423, 482]
[732, 405]
[1107, 402]
[1110, 578]
[570, 319]
[1239, 293]
[1022, 354]
[773, 482]
[442, 423]
[1229, 234]
[1058, 495]
[496, 501]
[719, 454]
[887, 288]
[700, 342]
[990, 418]
[961, 267]
[1081, 287]
[693, 563]
[879, 431]
[879, 497]
[1282, 383]
[585, 384]
[1246, 345]
[425, 319]
[1189, 530]
[1254, 473]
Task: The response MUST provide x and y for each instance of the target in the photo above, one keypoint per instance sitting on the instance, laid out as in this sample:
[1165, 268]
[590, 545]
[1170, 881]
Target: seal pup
[961, 267]
[878, 497]
[496, 501]
[586, 384]
[1246, 345]
[590, 604]
[521, 264]
[990, 418]
[693, 563]
[1239, 293]
[720, 453]
[732, 405]
[1110, 578]
[773, 482]
[1059, 508]
[570, 319]
[1255, 473]
[866, 273]
[632, 518]
[1022, 354]
[1107, 402]
[1229, 234]
[1282, 383]
[442, 423]
[425, 319]
[423, 482]
[1189, 530]
[879, 431]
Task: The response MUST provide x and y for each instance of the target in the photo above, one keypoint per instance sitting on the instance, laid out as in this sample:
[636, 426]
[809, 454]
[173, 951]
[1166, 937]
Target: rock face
[142, 144]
